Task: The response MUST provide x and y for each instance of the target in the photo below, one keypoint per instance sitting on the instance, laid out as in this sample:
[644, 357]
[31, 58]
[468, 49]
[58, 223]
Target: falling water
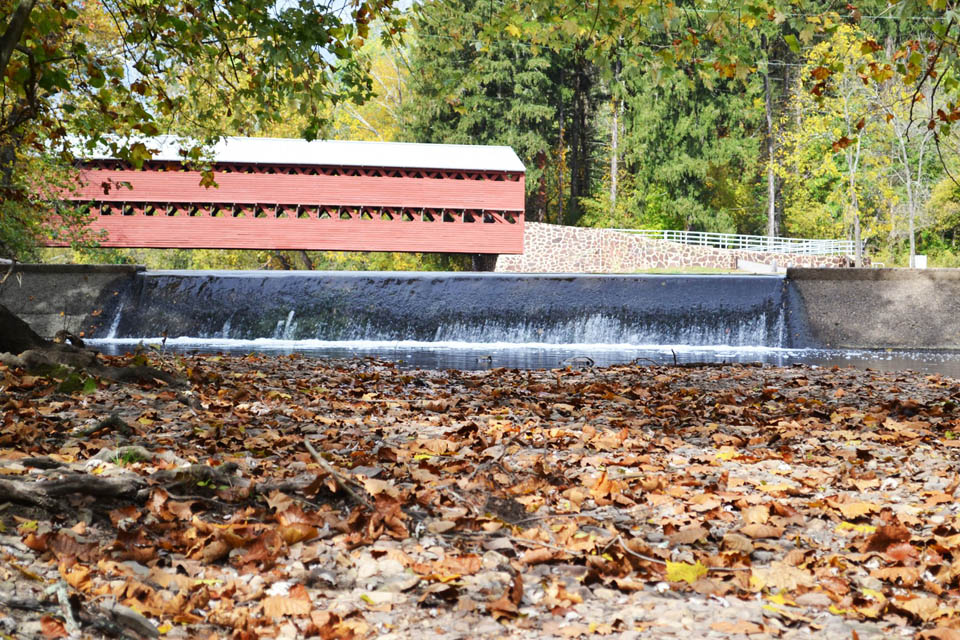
[746, 311]
[439, 320]
[115, 323]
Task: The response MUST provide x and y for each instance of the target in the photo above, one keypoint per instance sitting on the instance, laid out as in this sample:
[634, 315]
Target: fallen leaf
[761, 531]
[52, 628]
[757, 514]
[886, 536]
[924, 608]
[736, 542]
[741, 626]
[780, 575]
[688, 535]
[940, 633]
[685, 572]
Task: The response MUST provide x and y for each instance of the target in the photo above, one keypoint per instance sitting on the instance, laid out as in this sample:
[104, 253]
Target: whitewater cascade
[468, 308]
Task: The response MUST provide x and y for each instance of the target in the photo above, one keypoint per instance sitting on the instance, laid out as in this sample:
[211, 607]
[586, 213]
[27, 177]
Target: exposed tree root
[109, 424]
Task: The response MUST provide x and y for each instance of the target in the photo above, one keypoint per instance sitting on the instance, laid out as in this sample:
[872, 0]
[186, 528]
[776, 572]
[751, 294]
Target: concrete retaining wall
[78, 298]
[549, 248]
[881, 308]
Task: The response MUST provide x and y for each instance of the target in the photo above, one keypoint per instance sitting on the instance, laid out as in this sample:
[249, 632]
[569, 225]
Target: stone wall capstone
[549, 248]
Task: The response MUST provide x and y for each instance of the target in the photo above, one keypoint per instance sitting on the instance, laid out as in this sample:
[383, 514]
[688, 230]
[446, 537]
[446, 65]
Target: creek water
[479, 320]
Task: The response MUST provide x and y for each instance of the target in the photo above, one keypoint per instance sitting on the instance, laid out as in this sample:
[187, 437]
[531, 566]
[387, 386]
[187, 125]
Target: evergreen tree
[700, 147]
[469, 88]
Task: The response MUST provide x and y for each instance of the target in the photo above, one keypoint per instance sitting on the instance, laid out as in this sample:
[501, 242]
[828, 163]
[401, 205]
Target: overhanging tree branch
[11, 36]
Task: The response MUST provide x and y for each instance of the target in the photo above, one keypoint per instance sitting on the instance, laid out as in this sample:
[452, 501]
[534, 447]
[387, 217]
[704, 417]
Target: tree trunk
[307, 262]
[16, 336]
[614, 153]
[483, 261]
[614, 140]
[772, 222]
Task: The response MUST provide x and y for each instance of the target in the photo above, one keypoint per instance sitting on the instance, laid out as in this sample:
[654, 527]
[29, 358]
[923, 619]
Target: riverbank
[284, 496]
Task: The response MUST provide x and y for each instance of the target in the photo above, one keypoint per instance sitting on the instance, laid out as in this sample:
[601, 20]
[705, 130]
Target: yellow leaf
[779, 598]
[859, 528]
[726, 453]
[871, 593]
[513, 30]
[782, 486]
[164, 628]
[684, 572]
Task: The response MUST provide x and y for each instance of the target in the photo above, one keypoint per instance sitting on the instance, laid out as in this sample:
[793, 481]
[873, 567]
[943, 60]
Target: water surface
[471, 356]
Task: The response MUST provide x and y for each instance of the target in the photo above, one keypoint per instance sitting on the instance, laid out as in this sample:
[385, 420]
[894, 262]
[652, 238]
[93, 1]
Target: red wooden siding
[283, 207]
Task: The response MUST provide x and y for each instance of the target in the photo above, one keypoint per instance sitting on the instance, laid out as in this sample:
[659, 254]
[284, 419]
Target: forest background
[823, 120]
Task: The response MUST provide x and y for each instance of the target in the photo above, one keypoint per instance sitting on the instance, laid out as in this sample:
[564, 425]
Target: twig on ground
[341, 481]
[547, 545]
[641, 556]
[70, 622]
[487, 465]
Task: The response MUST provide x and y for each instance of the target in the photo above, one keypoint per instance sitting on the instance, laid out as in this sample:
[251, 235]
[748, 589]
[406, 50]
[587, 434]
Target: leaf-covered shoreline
[290, 497]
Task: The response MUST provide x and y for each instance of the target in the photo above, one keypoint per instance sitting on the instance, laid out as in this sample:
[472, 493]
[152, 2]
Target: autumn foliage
[290, 497]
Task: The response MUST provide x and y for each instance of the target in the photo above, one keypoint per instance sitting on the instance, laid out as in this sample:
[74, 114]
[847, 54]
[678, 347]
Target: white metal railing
[803, 246]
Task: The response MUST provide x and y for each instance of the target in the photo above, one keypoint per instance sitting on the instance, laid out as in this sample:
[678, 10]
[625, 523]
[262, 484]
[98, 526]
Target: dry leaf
[924, 608]
[736, 542]
[887, 535]
[758, 514]
[742, 626]
[853, 510]
[761, 531]
[52, 628]
[688, 535]
[780, 575]
[940, 633]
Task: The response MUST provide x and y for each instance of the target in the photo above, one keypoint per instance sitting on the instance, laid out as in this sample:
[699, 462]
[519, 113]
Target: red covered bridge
[294, 194]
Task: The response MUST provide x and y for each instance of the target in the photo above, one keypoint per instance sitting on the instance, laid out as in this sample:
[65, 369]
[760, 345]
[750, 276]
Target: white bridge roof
[296, 151]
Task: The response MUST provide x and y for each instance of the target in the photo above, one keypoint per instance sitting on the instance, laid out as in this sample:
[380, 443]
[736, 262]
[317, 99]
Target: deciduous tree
[75, 76]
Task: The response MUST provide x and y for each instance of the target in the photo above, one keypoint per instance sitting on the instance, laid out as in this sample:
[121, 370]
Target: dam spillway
[695, 310]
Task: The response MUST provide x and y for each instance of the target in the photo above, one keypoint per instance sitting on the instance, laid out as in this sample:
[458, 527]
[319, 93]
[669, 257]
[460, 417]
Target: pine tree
[469, 88]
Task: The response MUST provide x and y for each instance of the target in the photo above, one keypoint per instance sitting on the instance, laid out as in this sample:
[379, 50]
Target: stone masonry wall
[552, 248]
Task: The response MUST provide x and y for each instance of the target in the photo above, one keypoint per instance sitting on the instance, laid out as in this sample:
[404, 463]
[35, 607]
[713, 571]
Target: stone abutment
[552, 248]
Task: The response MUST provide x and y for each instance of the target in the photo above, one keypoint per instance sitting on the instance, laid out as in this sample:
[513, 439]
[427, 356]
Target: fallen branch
[90, 485]
[18, 492]
[43, 494]
[341, 481]
[110, 423]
